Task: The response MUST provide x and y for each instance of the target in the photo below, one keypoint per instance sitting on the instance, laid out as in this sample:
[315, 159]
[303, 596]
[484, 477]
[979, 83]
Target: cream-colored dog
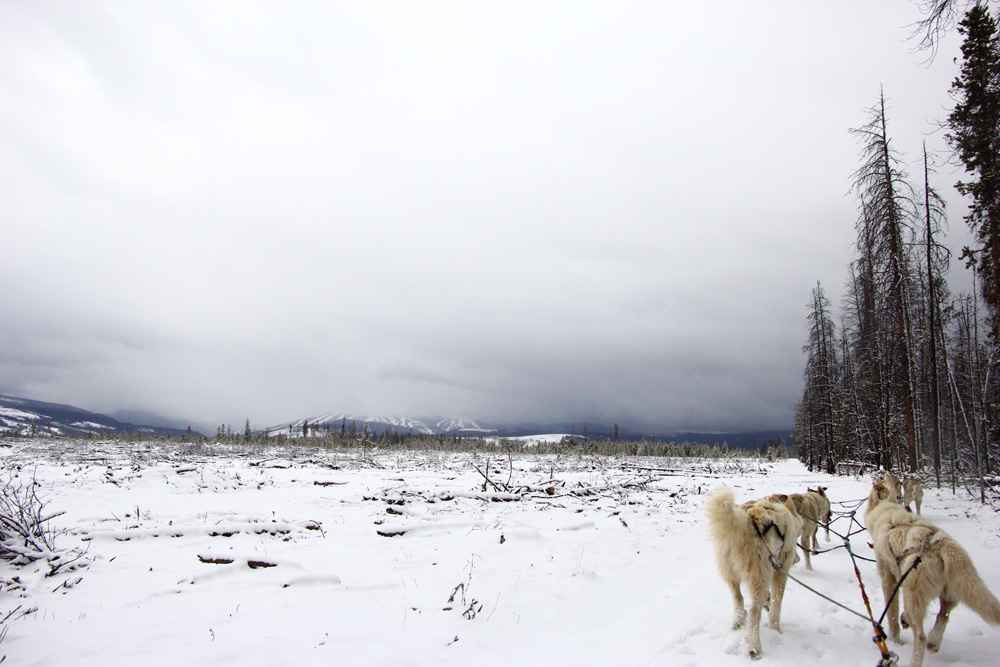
[945, 571]
[815, 507]
[913, 492]
[826, 516]
[745, 538]
[890, 481]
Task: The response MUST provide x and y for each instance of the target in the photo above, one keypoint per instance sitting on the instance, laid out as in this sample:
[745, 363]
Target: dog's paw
[933, 647]
[904, 622]
[755, 653]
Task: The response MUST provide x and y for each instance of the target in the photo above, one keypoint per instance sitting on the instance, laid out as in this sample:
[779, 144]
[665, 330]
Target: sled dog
[913, 492]
[890, 481]
[814, 509]
[826, 516]
[746, 537]
[945, 571]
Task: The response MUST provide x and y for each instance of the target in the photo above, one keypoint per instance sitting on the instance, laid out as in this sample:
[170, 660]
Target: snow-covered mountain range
[23, 416]
[348, 422]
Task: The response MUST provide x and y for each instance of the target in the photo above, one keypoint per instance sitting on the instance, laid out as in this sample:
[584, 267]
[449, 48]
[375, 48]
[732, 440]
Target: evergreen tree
[815, 425]
[975, 136]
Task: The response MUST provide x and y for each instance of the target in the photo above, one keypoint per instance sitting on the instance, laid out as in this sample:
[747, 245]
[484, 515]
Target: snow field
[298, 556]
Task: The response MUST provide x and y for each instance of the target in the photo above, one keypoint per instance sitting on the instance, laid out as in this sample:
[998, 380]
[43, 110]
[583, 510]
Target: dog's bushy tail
[721, 510]
[963, 578]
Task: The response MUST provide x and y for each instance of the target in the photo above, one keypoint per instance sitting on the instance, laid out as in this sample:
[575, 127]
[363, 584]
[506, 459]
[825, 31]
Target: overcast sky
[496, 210]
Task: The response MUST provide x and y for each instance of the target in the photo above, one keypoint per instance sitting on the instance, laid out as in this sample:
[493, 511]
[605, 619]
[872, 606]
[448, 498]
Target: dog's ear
[882, 492]
[780, 497]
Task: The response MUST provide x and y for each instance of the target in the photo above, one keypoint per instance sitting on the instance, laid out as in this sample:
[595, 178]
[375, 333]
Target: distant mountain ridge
[454, 426]
[24, 416]
[378, 424]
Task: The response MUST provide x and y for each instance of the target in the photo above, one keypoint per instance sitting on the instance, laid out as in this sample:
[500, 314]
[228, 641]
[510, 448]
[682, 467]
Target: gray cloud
[502, 210]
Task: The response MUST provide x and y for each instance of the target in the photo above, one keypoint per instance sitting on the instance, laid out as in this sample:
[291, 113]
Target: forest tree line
[907, 378]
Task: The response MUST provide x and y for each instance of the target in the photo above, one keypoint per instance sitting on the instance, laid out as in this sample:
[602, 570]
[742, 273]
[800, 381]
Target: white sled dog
[826, 515]
[945, 571]
[814, 508]
[890, 481]
[913, 492]
[745, 536]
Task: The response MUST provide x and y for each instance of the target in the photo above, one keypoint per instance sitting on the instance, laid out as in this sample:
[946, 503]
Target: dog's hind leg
[888, 585]
[937, 632]
[758, 598]
[778, 581]
[811, 543]
[739, 612]
[916, 610]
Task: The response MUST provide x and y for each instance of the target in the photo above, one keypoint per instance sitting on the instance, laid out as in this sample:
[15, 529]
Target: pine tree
[820, 379]
[975, 137]
[367, 438]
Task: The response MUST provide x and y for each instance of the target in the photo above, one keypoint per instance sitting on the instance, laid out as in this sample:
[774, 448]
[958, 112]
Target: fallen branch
[215, 560]
[674, 472]
[486, 477]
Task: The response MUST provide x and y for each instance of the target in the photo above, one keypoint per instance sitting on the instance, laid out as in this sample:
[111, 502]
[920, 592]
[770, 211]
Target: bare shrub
[24, 535]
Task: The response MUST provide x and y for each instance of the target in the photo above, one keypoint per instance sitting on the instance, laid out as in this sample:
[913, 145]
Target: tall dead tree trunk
[887, 211]
[935, 256]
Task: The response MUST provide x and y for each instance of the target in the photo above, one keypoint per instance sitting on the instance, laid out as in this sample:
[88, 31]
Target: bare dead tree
[938, 17]
[936, 258]
[888, 212]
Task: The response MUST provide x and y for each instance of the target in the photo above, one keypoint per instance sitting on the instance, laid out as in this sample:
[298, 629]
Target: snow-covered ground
[297, 556]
